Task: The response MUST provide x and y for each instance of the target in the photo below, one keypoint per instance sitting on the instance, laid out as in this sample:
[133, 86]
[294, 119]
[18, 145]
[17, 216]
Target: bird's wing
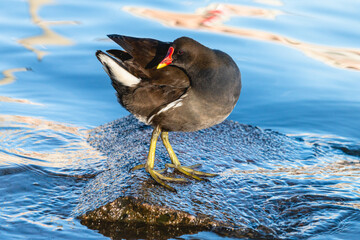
[142, 55]
[157, 87]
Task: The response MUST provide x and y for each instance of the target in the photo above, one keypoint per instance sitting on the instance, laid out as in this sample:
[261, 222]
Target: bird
[178, 86]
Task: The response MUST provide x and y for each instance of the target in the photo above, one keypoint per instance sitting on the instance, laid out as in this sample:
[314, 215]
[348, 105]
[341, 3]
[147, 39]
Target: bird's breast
[190, 113]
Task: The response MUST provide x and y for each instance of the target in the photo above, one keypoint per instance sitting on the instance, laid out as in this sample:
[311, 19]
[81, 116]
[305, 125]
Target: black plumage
[198, 89]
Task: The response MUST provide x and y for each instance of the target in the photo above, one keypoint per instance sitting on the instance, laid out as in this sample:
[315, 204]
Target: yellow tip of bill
[161, 65]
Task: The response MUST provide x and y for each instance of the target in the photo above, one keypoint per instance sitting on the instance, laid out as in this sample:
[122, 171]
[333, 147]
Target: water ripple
[44, 165]
[270, 185]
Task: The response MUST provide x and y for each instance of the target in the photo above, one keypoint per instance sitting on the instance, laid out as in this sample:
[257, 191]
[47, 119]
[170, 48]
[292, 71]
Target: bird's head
[182, 53]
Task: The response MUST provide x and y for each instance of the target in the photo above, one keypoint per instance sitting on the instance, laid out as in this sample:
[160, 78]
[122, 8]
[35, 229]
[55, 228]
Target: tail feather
[146, 52]
[122, 55]
[117, 70]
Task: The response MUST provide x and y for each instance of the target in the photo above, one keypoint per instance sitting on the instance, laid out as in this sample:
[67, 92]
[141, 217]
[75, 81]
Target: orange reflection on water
[38, 124]
[9, 76]
[48, 37]
[17, 100]
[18, 133]
[203, 18]
[212, 19]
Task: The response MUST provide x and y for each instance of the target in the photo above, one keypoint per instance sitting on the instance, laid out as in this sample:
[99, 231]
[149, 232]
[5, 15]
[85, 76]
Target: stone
[123, 204]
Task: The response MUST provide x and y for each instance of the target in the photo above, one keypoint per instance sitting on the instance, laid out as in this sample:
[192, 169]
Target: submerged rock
[257, 194]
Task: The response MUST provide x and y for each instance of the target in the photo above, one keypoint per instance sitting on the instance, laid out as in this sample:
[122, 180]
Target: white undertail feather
[141, 119]
[118, 73]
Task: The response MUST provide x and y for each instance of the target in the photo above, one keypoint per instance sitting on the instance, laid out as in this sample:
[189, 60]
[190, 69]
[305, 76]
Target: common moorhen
[197, 90]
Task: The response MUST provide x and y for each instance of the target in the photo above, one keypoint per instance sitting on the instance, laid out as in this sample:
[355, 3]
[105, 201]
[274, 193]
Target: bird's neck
[212, 80]
[204, 81]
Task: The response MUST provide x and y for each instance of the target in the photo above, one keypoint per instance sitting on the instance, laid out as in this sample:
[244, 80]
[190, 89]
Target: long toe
[137, 167]
[182, 170]
[156, 177]
[189, 171]
[200, 173]
[170, 179]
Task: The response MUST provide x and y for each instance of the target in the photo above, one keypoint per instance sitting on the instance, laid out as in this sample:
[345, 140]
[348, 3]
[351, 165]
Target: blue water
[300, 65]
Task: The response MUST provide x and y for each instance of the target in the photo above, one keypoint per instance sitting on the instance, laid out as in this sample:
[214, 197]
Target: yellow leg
[189, 171]
[149, 166]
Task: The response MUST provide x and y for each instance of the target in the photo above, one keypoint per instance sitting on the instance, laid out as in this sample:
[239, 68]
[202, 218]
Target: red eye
[180, 52]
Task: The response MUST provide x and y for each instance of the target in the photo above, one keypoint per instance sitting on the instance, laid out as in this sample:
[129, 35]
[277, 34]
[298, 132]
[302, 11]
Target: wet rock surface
[135, 218]
[262, 190]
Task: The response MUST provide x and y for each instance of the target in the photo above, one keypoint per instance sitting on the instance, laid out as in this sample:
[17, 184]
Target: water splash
[270, 185]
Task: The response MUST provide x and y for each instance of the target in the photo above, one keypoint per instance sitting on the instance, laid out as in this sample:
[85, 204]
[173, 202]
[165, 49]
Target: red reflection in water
[212, 18]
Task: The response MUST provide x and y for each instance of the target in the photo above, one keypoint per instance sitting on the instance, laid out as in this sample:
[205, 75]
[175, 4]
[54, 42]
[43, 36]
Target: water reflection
[17, 100]
[28, 140]
[212, 18]
[44, 165]
[39, 124]
[270, 2]
[9, 76]
[48, 36]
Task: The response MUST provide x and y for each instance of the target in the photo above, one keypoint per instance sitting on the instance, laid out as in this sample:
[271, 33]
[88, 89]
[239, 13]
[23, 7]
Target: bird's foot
[158, 177]
[137, 167]
[189, 171]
